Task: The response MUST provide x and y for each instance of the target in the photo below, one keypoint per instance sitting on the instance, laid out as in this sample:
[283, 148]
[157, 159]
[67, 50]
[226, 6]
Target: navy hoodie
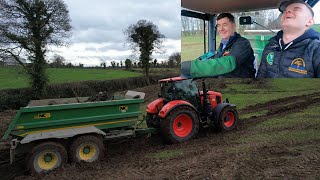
[297, 59]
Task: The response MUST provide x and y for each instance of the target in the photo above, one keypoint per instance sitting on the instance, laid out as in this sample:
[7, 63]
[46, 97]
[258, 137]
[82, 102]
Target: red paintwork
[173, 79]
[154, 106]
[229, 119]
[212, 98]
[166, 108]
[182, 125]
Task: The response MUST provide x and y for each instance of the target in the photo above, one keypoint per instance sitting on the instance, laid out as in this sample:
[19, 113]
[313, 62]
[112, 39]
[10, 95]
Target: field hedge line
[16, 98]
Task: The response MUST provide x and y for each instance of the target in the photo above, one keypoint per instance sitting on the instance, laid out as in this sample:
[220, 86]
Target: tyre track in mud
[280, 103]
[280, 107]
[290, 164]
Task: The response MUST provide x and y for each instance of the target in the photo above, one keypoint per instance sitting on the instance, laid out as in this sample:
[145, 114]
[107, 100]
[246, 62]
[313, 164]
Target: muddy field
[211, 155]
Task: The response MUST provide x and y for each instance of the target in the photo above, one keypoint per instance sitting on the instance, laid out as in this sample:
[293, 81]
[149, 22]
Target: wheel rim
[229, 119]
[47, 160]
[87, 152]
[182, 125]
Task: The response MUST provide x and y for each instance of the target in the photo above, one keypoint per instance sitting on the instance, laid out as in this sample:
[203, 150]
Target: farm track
[209, 156]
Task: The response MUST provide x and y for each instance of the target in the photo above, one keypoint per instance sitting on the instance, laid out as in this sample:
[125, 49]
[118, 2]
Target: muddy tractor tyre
[45, 157]
[86, 148]
[227, 119]
[181, 124]
[149, 120]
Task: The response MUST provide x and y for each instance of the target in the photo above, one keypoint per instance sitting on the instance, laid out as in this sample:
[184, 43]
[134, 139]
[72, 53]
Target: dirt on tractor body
[210, 155]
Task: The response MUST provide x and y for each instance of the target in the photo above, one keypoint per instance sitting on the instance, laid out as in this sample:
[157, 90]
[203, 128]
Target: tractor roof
[219, 6]
[173, 79]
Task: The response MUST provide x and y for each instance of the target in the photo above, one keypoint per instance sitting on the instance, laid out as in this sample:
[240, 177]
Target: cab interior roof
[219, 6]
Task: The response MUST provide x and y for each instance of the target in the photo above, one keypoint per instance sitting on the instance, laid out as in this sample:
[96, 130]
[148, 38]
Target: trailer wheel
[46, 156]
[180, 125]
[87, 148]
[227, 119]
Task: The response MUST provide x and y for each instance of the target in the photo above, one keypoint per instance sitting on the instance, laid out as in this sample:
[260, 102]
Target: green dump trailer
[52, 134]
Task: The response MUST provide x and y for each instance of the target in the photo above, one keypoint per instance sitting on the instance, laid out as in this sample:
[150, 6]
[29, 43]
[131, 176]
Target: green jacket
[236, 60]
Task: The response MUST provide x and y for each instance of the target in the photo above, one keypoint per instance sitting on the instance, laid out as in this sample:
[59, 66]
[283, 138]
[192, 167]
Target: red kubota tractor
[182, 109]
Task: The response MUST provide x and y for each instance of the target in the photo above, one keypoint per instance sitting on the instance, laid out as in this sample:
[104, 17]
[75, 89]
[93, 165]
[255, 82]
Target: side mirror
[245, 20]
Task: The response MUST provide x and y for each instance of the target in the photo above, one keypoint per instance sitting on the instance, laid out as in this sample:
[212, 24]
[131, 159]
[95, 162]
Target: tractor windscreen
[182, 90]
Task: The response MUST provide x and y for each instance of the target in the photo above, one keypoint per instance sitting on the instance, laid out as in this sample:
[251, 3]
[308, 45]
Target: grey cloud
[96, 36]
[114, 46]
[90, 49]
[99, 20]
[106, 58]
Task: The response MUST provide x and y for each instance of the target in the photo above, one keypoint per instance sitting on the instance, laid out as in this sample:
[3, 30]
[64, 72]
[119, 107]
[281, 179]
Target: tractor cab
[178, 88]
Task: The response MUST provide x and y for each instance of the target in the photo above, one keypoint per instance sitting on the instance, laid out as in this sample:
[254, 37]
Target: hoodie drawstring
[280, 44]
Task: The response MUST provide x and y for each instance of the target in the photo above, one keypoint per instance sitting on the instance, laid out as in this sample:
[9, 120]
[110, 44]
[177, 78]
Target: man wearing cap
[295, 51]
[234, 57]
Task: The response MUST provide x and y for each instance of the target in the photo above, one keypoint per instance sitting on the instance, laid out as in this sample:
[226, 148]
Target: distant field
[159, 70]
[193, 46]
[16, 78]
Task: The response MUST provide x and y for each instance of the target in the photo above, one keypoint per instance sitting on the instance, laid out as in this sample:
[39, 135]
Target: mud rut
[210, 155]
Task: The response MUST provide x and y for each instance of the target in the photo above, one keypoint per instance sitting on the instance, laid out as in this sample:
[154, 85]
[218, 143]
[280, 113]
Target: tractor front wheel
[46, 156]
[227, 119]
[180, 125]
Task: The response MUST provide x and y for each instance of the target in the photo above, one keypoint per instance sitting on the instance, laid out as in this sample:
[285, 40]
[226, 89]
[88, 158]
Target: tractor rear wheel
[46, 156]
[87, 148]
[227, 119]
[180, 125]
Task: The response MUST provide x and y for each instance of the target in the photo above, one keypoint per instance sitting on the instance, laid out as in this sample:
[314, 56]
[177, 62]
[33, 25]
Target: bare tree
[103, 64]
[128, 63]
[113, 64]
[174, 59]
[155, 62]
[27, 27]
[57, 61]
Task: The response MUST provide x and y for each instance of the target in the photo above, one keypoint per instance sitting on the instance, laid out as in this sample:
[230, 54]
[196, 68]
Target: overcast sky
[98, 28]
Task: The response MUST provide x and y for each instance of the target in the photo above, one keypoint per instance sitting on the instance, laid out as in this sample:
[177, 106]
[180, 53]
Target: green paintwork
[258, 42]
[103, 115]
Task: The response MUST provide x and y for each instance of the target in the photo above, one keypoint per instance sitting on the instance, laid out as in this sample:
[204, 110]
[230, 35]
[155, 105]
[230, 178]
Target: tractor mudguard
[172, 105]
[155, 106]
[217, 110]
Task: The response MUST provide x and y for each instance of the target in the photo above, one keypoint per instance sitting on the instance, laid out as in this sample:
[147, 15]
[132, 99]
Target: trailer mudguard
[60, 134]
[172, 105]
[217, 110]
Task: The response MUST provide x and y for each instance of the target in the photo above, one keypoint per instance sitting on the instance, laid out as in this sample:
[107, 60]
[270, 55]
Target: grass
[193, 46]
[294, 120]
[15, 77]
[297, 127]
[275, 89]
[167, 154]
